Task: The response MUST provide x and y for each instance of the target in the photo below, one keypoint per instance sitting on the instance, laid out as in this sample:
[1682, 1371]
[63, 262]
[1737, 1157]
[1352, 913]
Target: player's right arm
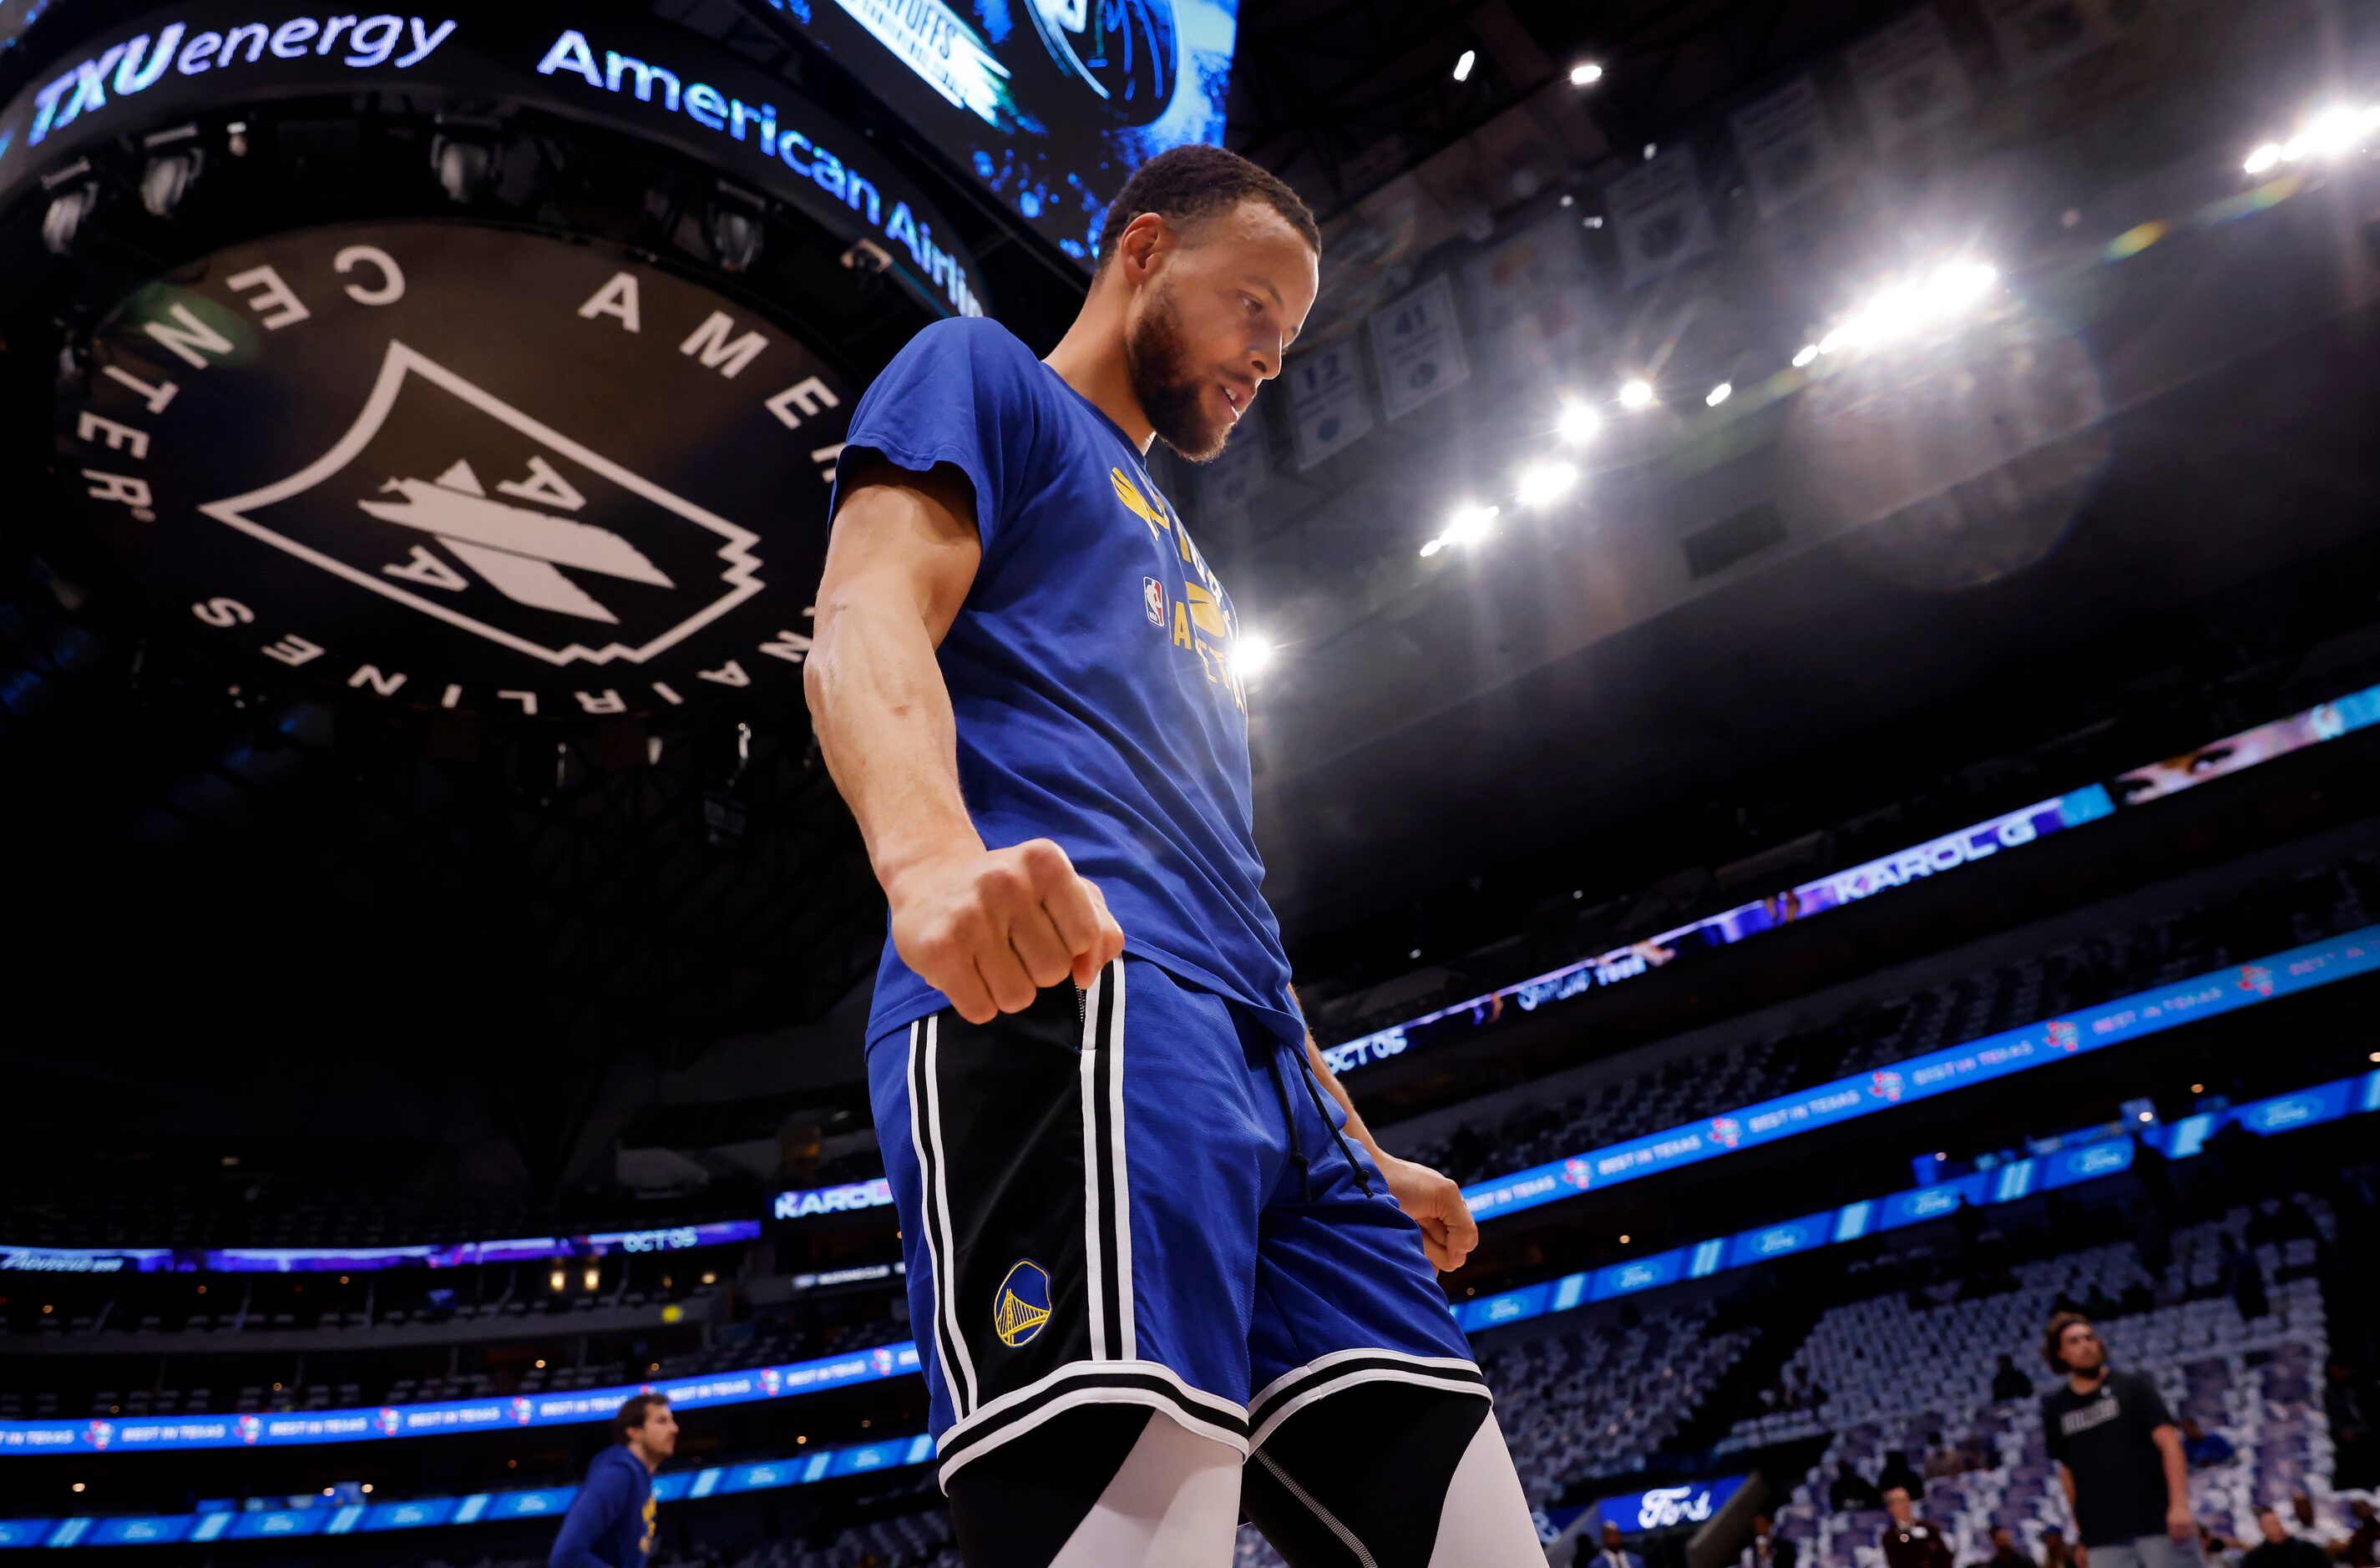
[986, 927]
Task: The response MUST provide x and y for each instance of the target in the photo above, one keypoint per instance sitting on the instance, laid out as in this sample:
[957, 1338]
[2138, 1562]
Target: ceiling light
[1636, 393]
[1541, 483]
[2330, 133]
[1463, 67]
[1909, 305]
[1468, 525]
[556, 1279]
[1720, 394]
[2266, 158]
[1587, 73]
[1431, 547]
[1805, 354]
[1577, 423]
[592, 1278]
[1250, 654]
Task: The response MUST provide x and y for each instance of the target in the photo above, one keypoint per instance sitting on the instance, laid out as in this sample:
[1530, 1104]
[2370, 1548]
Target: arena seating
[2290, 910]
[1599, 1400]
[1919, 1381]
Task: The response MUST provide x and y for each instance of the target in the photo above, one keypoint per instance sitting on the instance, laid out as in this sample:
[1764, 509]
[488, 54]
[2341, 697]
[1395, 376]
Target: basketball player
[1160, 1270]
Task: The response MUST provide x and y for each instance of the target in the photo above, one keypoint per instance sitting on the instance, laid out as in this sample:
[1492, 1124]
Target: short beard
[1170, 392]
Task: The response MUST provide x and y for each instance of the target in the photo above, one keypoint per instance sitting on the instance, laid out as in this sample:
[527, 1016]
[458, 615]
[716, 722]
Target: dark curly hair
[1185, 184]
[2059, 1324]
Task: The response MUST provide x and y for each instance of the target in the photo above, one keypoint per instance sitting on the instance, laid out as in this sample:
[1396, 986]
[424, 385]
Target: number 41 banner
[1419, 347]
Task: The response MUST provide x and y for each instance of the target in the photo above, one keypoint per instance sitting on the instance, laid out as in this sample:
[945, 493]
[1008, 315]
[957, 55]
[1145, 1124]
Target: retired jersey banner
[1419, 347]
[1909, 79]
[1325, 399]
[1656, 209]
[1532, 305]
[1788, 155]
[1233, 478]
[2037, 37]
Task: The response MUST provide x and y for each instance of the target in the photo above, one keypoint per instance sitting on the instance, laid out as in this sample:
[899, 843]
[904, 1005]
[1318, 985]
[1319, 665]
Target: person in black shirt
[2007, 1383]
[1851, 1492]
[2281, 1550]
[2006, 1553]
[1906, 1541]
[2119, 1456]
[1768, 1550]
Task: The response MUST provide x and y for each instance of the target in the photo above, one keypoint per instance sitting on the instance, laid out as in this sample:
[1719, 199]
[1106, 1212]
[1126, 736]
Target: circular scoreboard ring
[519, 403]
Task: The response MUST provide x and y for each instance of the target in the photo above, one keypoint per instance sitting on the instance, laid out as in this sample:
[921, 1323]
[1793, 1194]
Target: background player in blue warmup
[611, 1522]
[1159, 1269]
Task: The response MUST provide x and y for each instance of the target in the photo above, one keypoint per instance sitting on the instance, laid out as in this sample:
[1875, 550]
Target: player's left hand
[2179, 1527]
[1429, 1200]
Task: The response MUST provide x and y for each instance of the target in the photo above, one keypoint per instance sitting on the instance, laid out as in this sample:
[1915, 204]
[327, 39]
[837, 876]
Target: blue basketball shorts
[1137, 1194]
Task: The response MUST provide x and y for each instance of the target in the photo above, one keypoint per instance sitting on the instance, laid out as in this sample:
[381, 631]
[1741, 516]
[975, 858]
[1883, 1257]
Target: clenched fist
[989, 928]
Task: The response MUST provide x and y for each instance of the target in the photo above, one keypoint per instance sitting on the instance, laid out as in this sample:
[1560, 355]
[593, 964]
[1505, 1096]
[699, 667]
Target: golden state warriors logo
[1021, 1306]
[1139, 506]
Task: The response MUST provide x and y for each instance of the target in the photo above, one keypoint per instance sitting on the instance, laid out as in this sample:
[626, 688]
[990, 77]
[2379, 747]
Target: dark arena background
[1812, 605]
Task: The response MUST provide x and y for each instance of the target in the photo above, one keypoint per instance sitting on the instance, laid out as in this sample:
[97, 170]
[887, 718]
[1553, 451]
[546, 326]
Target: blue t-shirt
[611, 1522]
[1089, 669]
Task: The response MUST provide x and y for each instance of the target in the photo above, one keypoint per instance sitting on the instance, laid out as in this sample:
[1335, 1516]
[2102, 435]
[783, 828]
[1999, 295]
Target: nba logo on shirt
[1152, 595]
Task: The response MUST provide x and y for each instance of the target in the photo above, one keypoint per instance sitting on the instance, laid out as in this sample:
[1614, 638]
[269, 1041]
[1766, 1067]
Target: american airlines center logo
[465, 467]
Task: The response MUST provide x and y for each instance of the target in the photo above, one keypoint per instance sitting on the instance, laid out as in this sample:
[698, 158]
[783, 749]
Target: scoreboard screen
[1050, 104]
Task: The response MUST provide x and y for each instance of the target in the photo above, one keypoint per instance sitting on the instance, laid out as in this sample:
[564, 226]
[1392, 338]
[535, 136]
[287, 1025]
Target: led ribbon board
[2021, 1178]
[659, 83]
[479, 1508]
[1935, 1073]
[279, 1428]
[320, 1260]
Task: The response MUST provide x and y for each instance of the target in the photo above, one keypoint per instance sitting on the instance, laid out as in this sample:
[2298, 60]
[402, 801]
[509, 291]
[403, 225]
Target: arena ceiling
[217, 886]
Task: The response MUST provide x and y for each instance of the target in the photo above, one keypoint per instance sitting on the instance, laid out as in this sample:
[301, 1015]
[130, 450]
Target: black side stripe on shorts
[926, 1140]
[1107, 1220]
[1072, 1388]
[1325, 1377]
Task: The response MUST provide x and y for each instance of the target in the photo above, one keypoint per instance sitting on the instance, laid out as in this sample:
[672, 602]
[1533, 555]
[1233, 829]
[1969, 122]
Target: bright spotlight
[1431, 547]
[1577, 424]
[590, 1279]
[1720, 394]
[1911, 305]
[2265, 159]
[2333, 133]
[554, 1279]
[1251, 655]
[1468, 526]
[1636, 393]
[1587, 73]
[1463, 67]
[1541, 483]
[1808, 353]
